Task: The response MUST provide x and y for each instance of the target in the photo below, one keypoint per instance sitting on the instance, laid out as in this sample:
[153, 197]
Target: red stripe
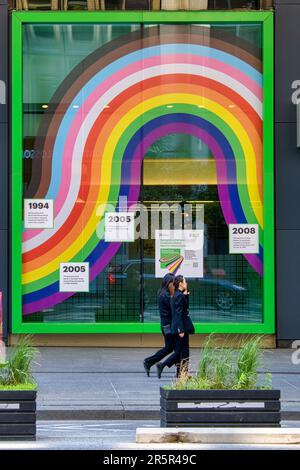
[85, 186]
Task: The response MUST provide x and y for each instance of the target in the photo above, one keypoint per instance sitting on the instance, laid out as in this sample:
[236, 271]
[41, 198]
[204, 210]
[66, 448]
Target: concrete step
[218, 435]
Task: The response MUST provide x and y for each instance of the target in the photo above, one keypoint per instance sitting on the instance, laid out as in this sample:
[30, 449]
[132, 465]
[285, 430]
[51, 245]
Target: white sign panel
[179, 252]
[74, 277]
[243, 238]
[119, 227]
[38, 213]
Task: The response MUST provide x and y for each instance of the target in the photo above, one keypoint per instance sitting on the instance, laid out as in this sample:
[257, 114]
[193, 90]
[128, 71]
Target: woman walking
[182, 325]
[164, 304]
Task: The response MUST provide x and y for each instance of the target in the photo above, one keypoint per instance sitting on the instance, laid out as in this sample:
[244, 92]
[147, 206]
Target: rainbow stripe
[174, 267]
[173, 263]
[169, 260]
[110, 110]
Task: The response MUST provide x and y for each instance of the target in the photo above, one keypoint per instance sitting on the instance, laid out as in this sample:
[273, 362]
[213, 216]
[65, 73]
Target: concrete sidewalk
[110, 383]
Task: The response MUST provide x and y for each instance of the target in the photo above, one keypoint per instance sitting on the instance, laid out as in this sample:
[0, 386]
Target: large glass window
[145, 118]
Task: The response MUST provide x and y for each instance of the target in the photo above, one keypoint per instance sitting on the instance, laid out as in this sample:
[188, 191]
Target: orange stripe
[104, 126]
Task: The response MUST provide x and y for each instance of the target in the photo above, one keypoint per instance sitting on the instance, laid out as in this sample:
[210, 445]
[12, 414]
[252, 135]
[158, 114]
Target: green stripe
[84, 252]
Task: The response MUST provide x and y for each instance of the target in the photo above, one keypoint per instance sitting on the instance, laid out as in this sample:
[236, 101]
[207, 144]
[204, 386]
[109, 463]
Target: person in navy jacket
[182, 325]
[164, 304]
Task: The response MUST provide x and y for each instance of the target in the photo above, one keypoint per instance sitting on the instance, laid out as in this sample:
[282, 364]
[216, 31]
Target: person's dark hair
[167, 279]
[177, 280]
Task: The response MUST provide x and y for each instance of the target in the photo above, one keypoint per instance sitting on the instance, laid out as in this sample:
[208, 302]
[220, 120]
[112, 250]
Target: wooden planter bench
[220, 408]
[17, 414]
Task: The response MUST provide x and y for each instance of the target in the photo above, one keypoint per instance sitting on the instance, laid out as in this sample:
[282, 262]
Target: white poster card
[38, 213]
[243, 238]
[74, 277]
[179, 252]
[119, 227]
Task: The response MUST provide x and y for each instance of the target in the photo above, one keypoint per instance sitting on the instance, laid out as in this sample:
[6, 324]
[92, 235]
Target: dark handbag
[189, 327]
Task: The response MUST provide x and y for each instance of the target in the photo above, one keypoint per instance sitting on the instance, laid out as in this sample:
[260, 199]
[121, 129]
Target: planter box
[17, 414]
[220, 408]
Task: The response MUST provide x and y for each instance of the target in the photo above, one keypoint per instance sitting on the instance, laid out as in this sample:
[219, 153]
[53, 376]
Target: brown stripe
[159, 35]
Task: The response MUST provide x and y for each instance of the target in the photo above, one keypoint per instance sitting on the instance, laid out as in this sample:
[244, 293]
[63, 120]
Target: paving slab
[77, 381]
[116, 435]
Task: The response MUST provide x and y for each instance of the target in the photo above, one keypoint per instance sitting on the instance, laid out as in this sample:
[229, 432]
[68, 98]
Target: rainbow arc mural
[106, 114]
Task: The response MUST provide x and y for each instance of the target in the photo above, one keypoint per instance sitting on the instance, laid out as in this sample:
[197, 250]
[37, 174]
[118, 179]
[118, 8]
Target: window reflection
[178, 167]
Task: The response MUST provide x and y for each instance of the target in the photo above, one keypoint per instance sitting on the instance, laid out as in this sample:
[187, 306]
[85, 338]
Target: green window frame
[267, 326]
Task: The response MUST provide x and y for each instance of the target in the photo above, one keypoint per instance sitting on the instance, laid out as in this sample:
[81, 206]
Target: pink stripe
[255, 262]
[222, 178]
[136, 163]
[59, 297]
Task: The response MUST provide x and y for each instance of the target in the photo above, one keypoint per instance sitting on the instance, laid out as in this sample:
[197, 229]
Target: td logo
[296, 354]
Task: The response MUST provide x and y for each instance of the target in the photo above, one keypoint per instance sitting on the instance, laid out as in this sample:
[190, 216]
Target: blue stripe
[114, 67]
[125, 178]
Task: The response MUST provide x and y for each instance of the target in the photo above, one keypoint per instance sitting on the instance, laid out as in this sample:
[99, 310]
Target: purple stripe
[136, 165]
[47, 302]
[218, 154]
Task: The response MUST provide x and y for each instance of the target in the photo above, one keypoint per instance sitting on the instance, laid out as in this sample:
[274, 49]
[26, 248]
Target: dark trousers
[182, 351]
[165, 351]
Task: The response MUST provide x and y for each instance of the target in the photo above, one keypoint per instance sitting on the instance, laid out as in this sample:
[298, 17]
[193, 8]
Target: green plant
[205, 359]
[222, 369]
[248, 361]
[267, 384]
[226, 368]
[215, 366]
[17, 370]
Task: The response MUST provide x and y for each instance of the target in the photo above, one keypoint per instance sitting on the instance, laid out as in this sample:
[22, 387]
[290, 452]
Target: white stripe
[105, 99]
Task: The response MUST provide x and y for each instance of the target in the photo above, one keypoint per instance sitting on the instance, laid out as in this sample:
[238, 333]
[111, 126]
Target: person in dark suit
[182, 325]
[164, 304]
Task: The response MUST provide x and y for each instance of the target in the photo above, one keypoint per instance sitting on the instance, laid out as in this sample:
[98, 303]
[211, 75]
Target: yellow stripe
[120, 128]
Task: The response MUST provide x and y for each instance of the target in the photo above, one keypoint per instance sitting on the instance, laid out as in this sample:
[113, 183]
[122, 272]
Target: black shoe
[159, 369]
[147, 368]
